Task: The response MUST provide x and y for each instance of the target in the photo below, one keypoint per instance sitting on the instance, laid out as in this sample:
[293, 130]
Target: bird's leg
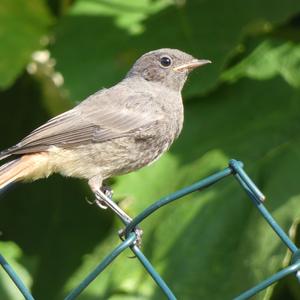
[108, 192]
[104, 200]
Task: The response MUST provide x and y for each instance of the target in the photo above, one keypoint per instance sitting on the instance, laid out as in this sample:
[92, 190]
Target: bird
[112, 132]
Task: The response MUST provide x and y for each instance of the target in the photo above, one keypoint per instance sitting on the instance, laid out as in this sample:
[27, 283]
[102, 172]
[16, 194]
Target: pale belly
[107, 159]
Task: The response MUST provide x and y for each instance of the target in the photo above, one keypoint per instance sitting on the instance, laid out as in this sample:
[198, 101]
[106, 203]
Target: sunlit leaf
[23, 24]
[270, 58]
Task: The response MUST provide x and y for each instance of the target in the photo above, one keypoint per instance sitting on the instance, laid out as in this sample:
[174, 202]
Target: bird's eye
[165, 61]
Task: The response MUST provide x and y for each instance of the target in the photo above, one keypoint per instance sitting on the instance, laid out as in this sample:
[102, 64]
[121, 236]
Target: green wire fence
[235, 168]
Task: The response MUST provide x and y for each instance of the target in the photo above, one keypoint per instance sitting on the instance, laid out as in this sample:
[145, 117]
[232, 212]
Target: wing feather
[84, 124]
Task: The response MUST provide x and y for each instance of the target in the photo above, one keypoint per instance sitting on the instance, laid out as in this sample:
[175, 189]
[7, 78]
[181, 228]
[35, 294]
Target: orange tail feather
[25, 167]
[11, 172]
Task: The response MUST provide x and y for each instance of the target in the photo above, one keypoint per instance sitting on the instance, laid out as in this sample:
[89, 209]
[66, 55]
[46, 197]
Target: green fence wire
[235, 168]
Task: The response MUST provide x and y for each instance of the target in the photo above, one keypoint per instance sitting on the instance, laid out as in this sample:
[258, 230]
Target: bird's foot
[104, 200]
[108, 192]
[138, 232]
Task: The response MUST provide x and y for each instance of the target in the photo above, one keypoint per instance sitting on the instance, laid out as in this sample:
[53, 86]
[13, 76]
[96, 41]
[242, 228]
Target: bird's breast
[125, 154]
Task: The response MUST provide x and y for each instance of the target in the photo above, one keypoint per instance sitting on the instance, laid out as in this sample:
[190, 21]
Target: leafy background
[210, 245]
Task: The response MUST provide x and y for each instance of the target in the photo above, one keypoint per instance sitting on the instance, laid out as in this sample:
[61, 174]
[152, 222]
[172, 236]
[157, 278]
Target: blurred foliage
[211, 245]
[270, 58]
[22, 26]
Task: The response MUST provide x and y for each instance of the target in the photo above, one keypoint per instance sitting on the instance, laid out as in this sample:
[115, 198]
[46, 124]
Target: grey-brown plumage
[112, 132]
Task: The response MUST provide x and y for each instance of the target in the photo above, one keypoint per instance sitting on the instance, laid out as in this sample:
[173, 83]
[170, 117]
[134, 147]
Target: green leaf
[269, 59]
[127, 14]
[90, 46]
[22, 26]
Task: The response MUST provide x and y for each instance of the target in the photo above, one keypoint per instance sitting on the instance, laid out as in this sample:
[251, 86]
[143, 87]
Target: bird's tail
[6, 153]
[11, 172]
[24, 168]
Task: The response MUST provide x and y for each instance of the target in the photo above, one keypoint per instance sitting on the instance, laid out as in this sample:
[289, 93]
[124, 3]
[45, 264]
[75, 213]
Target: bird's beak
[195, 63]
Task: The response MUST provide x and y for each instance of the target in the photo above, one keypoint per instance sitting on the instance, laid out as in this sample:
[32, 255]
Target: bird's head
[170, 67]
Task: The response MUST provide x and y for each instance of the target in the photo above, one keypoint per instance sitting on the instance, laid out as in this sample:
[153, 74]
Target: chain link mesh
[235, 169]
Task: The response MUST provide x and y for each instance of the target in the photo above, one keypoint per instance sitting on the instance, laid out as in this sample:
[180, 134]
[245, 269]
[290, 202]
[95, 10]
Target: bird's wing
[95, 121]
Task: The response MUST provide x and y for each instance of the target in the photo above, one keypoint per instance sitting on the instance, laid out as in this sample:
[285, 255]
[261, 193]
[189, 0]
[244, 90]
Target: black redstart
[112, 132]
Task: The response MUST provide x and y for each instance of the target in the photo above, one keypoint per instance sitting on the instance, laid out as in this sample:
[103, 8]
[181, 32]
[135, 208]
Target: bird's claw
[90, 202]
[138, 232]
[100, 203]
[108, 192]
